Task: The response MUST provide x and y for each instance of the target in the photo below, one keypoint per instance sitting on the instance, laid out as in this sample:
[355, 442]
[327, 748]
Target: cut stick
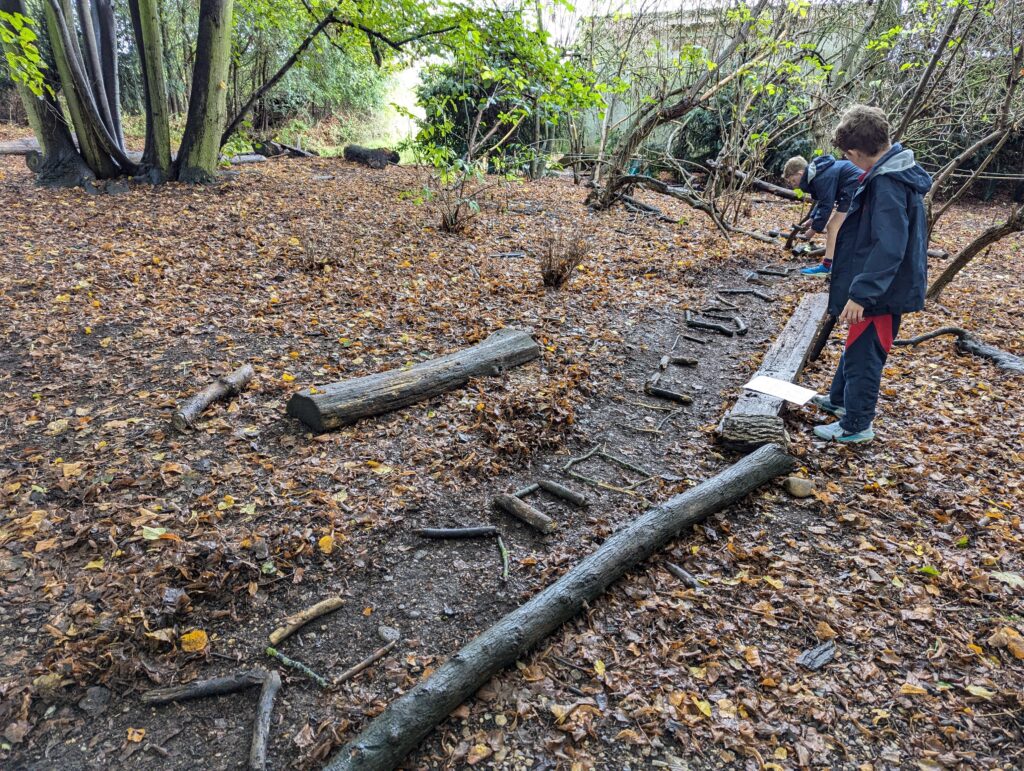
[697, 324]
[563, 492]
[524, 491]
[261, 728]
[229, 385]
[652, 389]
[216, 686]
[397, 731]
[522, 510]
[683, 361]
[293, 623]
[378, 654]
[484, 531]
[688, 578]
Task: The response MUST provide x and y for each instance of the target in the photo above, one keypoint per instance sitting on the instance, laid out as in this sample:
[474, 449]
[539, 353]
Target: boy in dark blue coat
[831, 184]
[880, 267]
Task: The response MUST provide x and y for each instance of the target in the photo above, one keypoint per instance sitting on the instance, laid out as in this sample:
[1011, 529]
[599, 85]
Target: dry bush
[560, 256]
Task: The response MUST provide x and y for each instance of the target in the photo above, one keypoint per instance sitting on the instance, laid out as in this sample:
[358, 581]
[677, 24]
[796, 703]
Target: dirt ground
[119, 537]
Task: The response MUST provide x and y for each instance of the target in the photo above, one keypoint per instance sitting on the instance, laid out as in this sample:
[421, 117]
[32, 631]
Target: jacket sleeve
[890, 232]
[825, 189]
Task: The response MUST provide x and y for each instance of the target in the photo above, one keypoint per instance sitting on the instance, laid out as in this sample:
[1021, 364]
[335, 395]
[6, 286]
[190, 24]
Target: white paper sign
[781, 389]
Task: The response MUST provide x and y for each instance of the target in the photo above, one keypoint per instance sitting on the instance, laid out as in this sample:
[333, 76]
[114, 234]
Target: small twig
[771, 270]
[667, 418]
[693, 339]
[523, 511]
[298, 666]
[683, 361]
[658, 407]
[697, 324]
[378, 654]
[216, 686]
[261, 728]
[683, 575]
[300, 619]
[663, 393]
[504, 559]
[524, 491]
[483, 531]
[755, 292]
[640, 429]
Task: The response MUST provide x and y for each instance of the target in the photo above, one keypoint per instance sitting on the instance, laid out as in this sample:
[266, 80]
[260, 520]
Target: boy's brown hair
[794, 165]
[863, 128]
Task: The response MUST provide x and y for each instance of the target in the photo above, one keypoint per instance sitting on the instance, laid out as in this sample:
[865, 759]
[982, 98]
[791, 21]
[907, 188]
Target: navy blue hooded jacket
[881, 259]
[828, 181]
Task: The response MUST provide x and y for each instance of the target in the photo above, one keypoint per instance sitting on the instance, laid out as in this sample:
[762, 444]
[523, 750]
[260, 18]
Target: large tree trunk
[58, 162]
[1014, 224]
[156, 158]
[407, 720]
[106, 36]
[340, 404]
[207, 106]
[89, 143]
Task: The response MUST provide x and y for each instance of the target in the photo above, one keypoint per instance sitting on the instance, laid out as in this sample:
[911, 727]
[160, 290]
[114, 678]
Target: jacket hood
[814, 168]
[901, 166]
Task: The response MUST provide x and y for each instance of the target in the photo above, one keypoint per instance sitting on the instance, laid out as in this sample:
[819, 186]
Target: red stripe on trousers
[883, 328]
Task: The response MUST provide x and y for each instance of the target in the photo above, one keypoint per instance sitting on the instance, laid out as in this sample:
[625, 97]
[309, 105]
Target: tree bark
[58, 162]
[373, 157]
[1013, 224]
[340, 404]
[156, 158]
[261, 726]
[106, 36]
[207, 105]
[407, 720]
[90, 146]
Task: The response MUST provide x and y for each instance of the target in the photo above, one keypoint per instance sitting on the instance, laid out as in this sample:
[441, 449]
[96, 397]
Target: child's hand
[853, 313]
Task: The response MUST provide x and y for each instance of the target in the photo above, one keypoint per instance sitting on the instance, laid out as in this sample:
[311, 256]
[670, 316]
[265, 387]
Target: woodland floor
[116, 307]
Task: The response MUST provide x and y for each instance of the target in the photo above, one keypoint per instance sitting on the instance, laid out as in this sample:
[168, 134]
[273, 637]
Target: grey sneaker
[822, 403]
[834, 432]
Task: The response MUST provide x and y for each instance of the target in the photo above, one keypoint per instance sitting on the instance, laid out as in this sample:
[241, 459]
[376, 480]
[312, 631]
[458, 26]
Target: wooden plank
[754, 419]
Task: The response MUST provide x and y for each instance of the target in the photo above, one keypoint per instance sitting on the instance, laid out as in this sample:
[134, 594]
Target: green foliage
[24, 62]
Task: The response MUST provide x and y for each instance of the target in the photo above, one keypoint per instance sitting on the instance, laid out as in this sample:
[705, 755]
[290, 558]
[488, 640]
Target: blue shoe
[834, 432]
[823, 403]
[817, 270]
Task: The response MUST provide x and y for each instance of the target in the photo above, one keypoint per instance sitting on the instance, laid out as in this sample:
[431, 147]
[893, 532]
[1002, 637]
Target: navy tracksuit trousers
[859, 374]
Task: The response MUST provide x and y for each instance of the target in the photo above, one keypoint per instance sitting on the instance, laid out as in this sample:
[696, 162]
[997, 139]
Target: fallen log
[442, 533]
[755, 182]
[339, 404]
[754, 420]
[968, 343]
[402, 726]
[521, 510]
[229, 385]
[374, 158]
[216, 686]
[261, 727]
[563, 492]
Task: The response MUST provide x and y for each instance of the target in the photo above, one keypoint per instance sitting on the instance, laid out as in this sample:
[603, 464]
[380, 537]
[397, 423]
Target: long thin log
[217, 686]
[968, 343]
[757, 184]
[224, 387]
[407, 720]
[441, 533]
[295, 622]
[327, 407]
[520, 509]
[261, 728]
[563, 492]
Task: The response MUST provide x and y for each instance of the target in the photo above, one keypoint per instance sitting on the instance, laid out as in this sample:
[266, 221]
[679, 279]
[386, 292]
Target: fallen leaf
[1009, 638]
[194, 641]
[136, 734]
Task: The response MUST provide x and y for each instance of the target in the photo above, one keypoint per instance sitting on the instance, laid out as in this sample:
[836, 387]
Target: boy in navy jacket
[831, 184]
[880, 267]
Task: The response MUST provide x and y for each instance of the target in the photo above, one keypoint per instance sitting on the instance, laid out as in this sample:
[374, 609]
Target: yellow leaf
[477, 753]
[288, 377]
[194, 641]
[773, 582]
[62, 298]
[56, 427]
[72, 470]
[367, 610]
[153, 533]
[382, 469]
[326, 544]
[702, 705]
[105, 342]
[909, 689]
[135, 735]
[824, 631]
[979, 691]
[95, 564]
[293, 354]
[753, 656]
[599, 668]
